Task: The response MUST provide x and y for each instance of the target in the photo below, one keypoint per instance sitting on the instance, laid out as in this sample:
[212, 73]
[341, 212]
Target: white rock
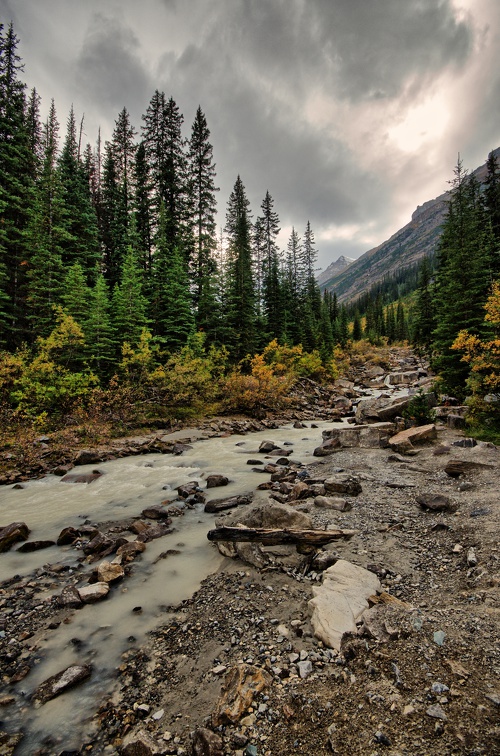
[340, 600]
[93, 592]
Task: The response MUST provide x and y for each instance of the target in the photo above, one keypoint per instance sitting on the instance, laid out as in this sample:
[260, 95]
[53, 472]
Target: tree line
[122, 237]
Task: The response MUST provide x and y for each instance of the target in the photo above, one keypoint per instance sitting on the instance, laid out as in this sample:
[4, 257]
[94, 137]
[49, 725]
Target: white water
[127, 486]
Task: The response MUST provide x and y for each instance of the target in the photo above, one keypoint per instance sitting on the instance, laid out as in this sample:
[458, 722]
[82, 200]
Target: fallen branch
[272, 537]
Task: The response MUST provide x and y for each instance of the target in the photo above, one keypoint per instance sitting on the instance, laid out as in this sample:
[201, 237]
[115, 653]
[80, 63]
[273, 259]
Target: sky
[351, 113]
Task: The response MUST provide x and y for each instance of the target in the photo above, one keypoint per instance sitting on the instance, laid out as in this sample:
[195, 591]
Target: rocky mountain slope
[404, 248]
[334, 269]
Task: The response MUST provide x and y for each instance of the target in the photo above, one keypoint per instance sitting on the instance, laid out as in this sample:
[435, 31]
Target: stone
[81, 477]
[274, 516]
[89, 594]
[214, 481]
[343, 483]
[414, 435]
[471, 558]
[331, 502]
[140, 743]
[456, 467]
[267, 446]
[67, 536]
[381, 408]
[109, 572]
[397, 379]
[241, 684]
[340, 600]
[87, 457]
[220, 505]
[322, 560]
[465, 443]
[435, 502]
[305, 668]
[330, 446]
[11, 534]
[131, 549]
[151, 532]
[98, 544]
[187, 489]
[455, 422]
[300, 491]
[156, 512]
[436, 711]
[61, 682]
[69, 597]
[29, 546]
[205, 742]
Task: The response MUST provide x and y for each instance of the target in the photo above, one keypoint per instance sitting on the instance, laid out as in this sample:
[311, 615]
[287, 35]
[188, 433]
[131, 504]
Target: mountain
[335, 267]
[404, 249]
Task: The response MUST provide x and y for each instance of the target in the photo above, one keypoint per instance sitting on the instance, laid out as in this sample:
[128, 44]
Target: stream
[100, 633]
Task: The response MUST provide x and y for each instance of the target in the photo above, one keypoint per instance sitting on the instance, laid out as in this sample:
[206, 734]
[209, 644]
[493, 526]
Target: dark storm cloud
[109, 71]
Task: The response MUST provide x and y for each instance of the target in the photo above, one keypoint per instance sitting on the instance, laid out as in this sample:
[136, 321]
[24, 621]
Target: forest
[118, 292]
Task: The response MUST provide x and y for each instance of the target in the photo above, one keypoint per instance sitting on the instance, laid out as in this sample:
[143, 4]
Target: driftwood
[271, 537]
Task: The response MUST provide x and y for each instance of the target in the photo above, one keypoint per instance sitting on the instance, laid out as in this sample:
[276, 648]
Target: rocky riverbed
[239, 668]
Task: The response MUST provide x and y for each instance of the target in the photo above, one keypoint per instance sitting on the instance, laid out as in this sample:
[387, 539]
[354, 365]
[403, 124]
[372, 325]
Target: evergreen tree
[173, 315]
[390, 323]
[401, 327]
[114, 219]
[424, 321]
[98, 330]
[357, 331]
[129, 305]
[492, 204]
[463, 277]
[143, 208]
[16, 183]
[294, 301]
[45, 236]
[76, 294]
[80, 222]
[240, 314]
[326, 343]
[309, 257]
[272, 287]
[343, 327]
[202, 208]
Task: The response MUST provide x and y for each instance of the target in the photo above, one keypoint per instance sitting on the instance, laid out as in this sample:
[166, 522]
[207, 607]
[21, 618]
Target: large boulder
[214, 481]
[89, 594]
[380, 409]
[274, 516]
[340, 600]
[343, 483]
[416, 435]
[404, 378]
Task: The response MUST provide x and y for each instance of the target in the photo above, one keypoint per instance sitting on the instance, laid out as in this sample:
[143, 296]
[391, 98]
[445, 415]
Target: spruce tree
[142, 204]
[357, 331]
[240, 314]
[424, 321]
[492, 205]
[76, 294]
[99, 334]
[272, 285]
[129, 305]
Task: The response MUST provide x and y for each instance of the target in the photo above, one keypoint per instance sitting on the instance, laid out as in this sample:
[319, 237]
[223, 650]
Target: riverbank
[421, 678]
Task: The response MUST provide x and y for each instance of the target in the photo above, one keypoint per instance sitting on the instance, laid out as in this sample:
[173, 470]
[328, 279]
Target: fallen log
[272, 537]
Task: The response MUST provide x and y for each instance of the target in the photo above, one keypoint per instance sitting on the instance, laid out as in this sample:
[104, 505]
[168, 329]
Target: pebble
[436, 711]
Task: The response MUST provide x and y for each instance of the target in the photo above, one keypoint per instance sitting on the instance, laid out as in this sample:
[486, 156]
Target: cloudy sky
[350, 112]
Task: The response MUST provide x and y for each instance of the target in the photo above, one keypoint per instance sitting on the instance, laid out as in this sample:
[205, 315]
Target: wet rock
[178, 449]
[152, 532]
[280, 452]
[329, 446]
[69, 597]
[207, 743]
[267, 446]
[109, 572]
[415, 435]
[98, 544]
[156, 512]
[220, 505]
[87, 457]
[241, 684]
[331, 502]
[140, 744]
[67, 536]
[188, 489]
[214, 481]
[62, 469]
[89, 594]
[435, 502]
[9, 742]
[30, 546]
[340, 600]
[61, 682]
[343, 483]
[300, 490]
[11, 534]
[81, 477]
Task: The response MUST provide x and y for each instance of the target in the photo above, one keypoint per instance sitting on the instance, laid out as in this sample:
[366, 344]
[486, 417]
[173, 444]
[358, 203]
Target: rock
[130, 550]
[397, 379]
[89, 594]
[465, 443]
[436, 711]
[471, 558]
[62, 469]
[331, 502]
[242, 682]
[207, 743]
[280, 452]
[11, 534]
[67, 536]
[413, 436]
[380, 409]
[61, 682]
[330, 446]
[274, 516]
[456, 467]
[455, 422]
[87, 457]
[188, 489]
[98, 544]
[69, 597]
[340, 600]
[305, 668]
[322, 560]
[151, 532]
[300, 491]
[214, 481]
[179, 448]
[343, 483]
[156, 512]
[220, 505]
[81, 477]
[435, 502]
[267, 446]
[140, 743]
[9, 742]
[109, 572]
[30, 546]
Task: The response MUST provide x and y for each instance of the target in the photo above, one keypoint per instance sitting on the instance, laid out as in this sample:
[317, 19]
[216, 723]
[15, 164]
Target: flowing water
[100, 633]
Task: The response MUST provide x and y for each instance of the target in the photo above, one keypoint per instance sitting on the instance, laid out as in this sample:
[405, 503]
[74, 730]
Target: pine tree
[142, 205]
[114, 219]
[357, 331]
[98, 329]
[45, 236]
[129, 305]
[424, 321]
[173, 315]
[76, 294]
[16, 183]
[240, 289]
[309, 257]
[80, 222]
[202, 208]
[272, 286]
[492, 204]
[294, 303]
[401, 327]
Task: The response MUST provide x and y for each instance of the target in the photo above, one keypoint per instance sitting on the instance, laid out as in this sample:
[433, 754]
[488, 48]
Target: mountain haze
[404, 248]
